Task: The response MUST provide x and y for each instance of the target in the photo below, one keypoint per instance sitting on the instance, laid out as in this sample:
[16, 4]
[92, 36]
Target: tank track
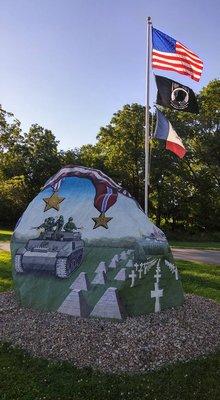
[18, 264]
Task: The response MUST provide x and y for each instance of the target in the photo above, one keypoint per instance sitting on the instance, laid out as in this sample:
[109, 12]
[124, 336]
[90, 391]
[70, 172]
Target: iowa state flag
[165, 131]
[171, 55]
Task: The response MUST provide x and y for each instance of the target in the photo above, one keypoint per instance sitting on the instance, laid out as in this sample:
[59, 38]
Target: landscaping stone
[133, 345]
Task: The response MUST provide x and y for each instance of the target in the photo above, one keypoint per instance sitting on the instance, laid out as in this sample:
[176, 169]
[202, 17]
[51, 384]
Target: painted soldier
[70, 226]
[59, 224]
[47, 225]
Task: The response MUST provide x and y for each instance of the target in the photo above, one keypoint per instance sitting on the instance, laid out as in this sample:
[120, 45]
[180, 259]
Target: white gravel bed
[134, 345]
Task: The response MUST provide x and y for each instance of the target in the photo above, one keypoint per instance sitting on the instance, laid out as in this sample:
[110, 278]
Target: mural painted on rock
[84, 247]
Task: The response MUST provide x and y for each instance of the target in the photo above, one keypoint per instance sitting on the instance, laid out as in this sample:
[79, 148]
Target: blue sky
[68, 65]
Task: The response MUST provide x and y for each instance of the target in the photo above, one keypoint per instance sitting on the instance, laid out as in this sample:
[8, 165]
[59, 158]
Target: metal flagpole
[150, 147]
[147, 114]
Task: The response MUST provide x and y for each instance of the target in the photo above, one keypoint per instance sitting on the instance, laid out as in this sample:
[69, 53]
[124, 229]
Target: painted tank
[57, 254]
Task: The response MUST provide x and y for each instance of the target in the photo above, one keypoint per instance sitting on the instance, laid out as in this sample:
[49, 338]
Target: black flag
[175, 95]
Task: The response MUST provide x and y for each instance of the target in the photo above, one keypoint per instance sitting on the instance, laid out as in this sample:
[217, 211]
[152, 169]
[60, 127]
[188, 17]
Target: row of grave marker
[109, 304]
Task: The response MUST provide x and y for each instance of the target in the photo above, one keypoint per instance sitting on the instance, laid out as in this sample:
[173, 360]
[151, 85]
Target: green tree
[121, 147]
[13, 199]
[11, 145]
[188, 193]
[41, 157]
[26, 162]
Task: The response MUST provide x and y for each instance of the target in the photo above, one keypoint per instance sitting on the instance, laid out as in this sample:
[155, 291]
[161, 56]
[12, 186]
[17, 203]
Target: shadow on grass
[200, 279]
[25, 377]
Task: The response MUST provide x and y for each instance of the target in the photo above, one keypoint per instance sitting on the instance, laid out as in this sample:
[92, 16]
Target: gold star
[53, 202]
[102, 220]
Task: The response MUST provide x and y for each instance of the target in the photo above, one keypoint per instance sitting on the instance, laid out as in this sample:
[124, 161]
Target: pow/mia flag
[175, 95]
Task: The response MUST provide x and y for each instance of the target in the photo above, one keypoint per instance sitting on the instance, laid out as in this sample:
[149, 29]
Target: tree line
[184, 194]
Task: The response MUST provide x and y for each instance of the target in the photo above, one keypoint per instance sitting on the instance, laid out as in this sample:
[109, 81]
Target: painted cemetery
[84, 247]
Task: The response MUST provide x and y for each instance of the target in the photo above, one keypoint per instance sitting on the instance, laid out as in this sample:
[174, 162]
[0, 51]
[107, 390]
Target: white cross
[136, 265]
[152, 262]
[145, 268]
[140, 271]
[158, 269]
[176, 274]
[157, 293]
[132, 276]
[157, 276]
[173, 269]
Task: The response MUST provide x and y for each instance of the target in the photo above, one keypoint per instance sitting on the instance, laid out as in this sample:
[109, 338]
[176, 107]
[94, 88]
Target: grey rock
[123, 255]
[129, 264]
[75, 304]
[101, 267]
[100, 278]
[112, 264]
[81, 282]
[109, 306]
[121, 275]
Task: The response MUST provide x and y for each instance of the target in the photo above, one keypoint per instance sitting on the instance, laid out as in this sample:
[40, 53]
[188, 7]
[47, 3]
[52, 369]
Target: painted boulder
[84, 247]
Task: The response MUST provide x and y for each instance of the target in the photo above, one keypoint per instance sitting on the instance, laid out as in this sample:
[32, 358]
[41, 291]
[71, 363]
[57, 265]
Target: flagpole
[147, 114]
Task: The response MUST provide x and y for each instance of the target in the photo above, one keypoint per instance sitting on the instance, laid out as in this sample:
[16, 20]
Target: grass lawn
[5, 235]
[200, 279]
[195, 245]
[27, 378]
[5, 272]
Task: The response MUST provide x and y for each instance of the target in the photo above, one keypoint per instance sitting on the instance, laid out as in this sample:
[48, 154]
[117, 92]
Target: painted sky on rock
[127, 218]
[69, 65]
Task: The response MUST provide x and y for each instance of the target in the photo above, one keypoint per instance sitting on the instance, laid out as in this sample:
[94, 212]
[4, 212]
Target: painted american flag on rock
[169, 54]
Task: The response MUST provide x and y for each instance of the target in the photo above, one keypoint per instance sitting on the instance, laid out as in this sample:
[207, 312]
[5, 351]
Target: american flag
[171, 55]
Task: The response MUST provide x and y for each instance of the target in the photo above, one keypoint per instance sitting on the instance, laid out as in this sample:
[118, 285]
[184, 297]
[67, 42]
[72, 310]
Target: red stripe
[176, 149]
[183, 72]
[190, 52]
[184, 54]
[182, 63]
[179, 53]
[176, 66]
[174, 57]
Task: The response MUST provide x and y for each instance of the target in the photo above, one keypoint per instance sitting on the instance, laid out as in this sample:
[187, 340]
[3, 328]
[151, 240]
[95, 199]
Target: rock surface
[85, 232]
